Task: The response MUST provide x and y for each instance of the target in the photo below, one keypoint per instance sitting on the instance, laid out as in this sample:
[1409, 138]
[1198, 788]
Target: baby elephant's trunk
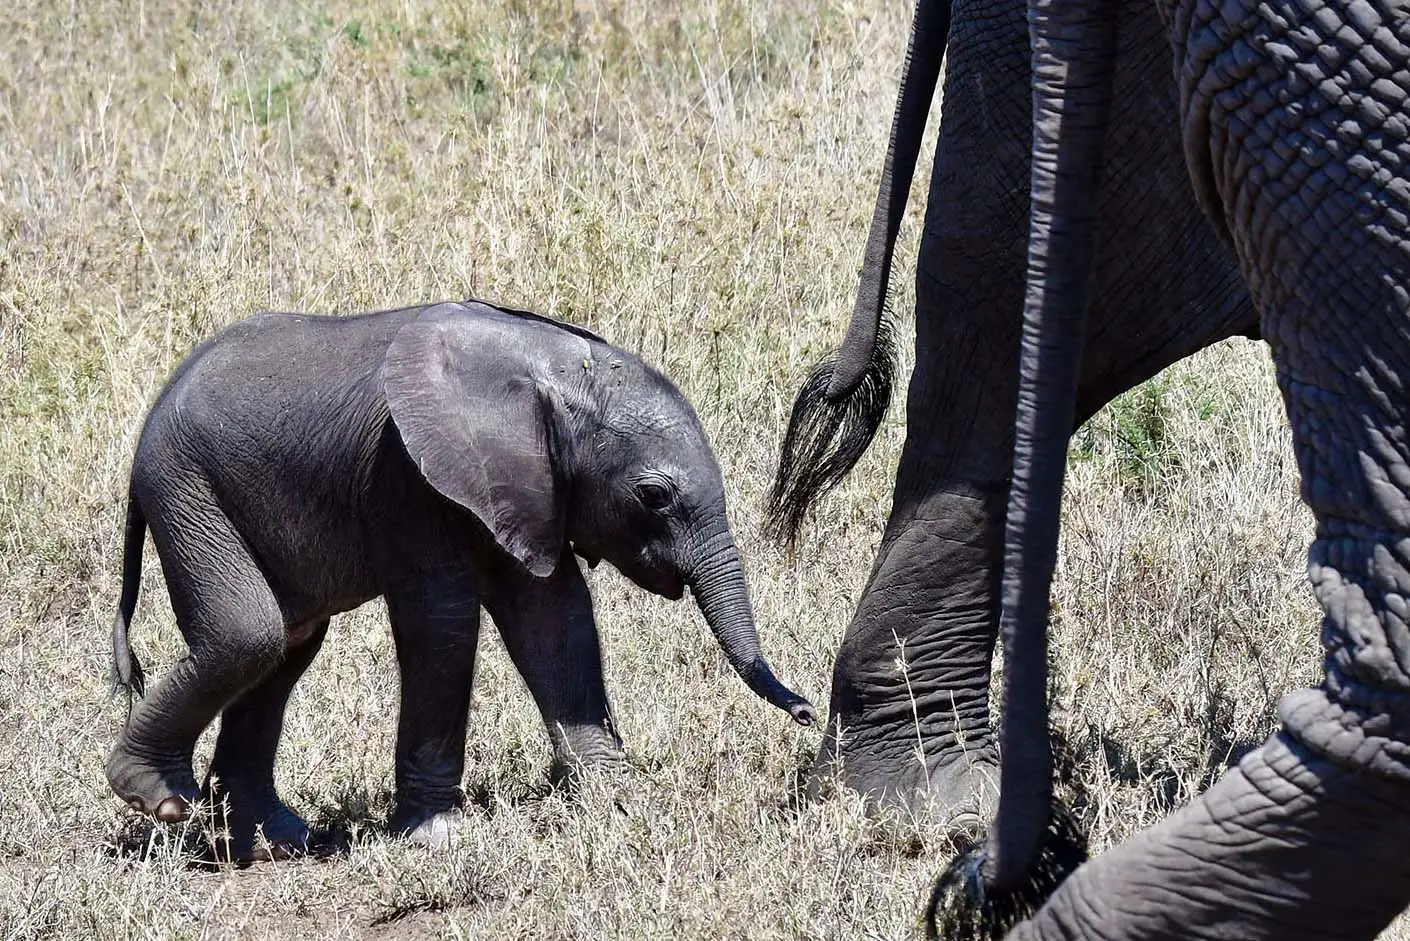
[717, 582]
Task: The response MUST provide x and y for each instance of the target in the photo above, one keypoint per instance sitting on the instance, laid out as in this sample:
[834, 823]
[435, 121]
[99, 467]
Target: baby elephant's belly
[299, 634]
[306, 612]
[315, 568]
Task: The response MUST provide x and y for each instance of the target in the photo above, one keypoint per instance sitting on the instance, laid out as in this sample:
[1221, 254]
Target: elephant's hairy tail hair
[827, 435]
[127, 674]
[963, 907]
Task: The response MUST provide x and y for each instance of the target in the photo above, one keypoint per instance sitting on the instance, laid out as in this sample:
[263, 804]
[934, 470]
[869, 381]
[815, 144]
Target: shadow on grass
[488, 796]
[801, 789]
[468, 890]
[1136, 767]
[335, 824]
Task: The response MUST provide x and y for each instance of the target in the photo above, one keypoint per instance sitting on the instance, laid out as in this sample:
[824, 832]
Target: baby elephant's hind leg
[241, 780]
[235, 635]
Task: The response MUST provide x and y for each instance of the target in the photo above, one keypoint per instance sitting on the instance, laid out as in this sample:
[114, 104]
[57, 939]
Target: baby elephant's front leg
[436, 634]
[549, 631]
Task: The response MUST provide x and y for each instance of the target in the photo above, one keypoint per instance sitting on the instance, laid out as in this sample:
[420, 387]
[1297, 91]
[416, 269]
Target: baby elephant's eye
[654, 495]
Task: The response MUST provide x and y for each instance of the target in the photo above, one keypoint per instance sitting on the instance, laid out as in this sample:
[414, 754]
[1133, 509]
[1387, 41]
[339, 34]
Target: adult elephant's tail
[843, 401]
[1031, 846]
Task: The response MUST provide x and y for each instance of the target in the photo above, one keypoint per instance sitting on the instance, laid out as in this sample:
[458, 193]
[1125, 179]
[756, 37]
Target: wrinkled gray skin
[1296, 120]
[1163, 288]
[1291, 121]
[445, 458]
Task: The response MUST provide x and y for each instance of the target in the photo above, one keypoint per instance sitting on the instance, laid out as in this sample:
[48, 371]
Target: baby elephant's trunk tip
[718, 584]
[803, 713]
[763, 682]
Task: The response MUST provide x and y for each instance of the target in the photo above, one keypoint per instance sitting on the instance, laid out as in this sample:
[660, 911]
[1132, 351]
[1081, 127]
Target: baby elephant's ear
[476, 423]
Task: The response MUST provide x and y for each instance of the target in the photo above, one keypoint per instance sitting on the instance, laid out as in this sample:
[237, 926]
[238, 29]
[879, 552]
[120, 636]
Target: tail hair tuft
[827, 435]
[963, 907]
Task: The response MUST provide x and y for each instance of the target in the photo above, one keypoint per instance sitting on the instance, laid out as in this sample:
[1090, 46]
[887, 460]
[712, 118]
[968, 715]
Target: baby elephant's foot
[586, 749]
[253, 825]
[440, 832]
[164, 790]
[278, 833]
[437, 830]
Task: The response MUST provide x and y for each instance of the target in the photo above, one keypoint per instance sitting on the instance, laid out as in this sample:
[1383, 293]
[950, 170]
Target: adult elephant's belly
[909, 711]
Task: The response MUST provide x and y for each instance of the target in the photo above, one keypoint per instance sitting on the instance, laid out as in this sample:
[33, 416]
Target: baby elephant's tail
[127, 671]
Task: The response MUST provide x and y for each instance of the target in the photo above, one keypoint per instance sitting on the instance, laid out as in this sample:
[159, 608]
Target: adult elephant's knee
[909, 717]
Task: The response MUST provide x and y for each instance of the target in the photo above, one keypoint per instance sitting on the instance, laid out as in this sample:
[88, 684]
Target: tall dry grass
[691, 179]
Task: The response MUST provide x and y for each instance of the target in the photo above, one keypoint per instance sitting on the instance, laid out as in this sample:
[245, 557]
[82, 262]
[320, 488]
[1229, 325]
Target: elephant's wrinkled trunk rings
[717, 582]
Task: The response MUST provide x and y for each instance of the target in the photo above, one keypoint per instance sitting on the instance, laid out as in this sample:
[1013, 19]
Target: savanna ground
[691, 179]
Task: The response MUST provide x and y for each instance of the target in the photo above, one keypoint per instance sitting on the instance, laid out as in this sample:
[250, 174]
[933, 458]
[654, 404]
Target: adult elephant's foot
[908, 714]
[165, 790]
[957, 789]
[252, 824]
[1287, 845]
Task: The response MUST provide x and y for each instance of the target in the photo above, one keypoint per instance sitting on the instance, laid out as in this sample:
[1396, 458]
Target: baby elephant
[443, 457]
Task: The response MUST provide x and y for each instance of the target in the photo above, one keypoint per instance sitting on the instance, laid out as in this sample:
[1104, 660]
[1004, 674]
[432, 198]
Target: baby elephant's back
[273, 361]
[277, 419]
[273, 374]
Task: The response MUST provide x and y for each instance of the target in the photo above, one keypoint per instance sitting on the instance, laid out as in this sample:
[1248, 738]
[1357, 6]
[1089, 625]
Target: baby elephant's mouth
[661, 582]
[665, 585]
[658, 582]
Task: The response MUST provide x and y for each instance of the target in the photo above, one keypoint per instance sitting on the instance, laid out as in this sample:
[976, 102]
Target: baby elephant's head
[553, 438]
[647, 494]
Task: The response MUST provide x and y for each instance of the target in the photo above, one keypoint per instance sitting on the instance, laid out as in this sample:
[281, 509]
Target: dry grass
[691, 179]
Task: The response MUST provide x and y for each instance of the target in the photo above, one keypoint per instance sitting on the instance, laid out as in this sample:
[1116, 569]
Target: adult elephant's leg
[242, 768]
[1163, 291]
[1307, 837]
[1288, 845]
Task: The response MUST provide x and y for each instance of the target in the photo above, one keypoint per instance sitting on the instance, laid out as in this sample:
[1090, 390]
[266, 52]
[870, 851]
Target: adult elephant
[1294, 127]
[1296, 130]
[1161, 292]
